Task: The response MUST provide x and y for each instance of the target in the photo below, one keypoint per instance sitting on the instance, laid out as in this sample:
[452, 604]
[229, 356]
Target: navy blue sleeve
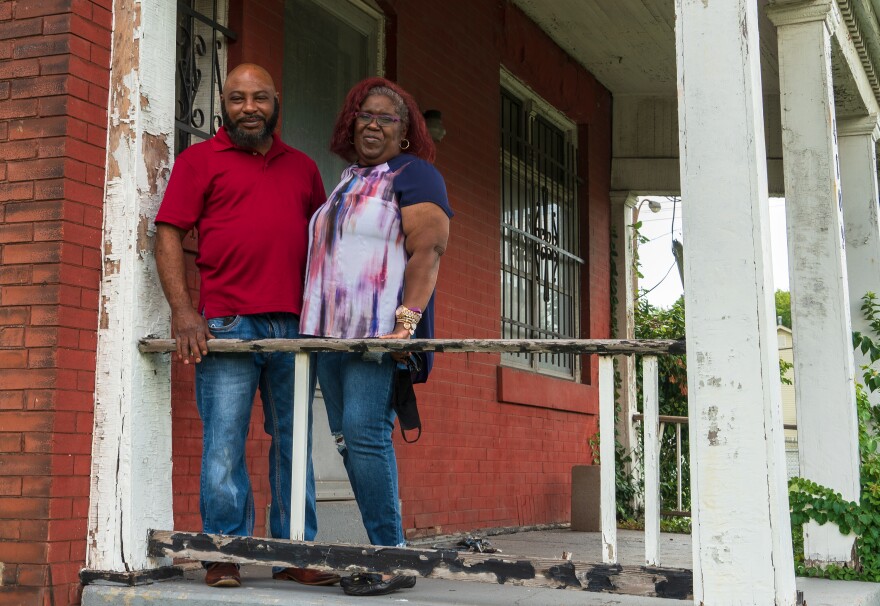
[418, 181]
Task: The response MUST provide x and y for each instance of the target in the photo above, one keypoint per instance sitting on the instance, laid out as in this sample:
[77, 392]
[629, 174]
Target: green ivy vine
[810, 501]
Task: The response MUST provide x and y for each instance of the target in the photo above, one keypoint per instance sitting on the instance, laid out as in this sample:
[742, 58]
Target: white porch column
[131, 448]
[822, 340]
[622, 204]
[858, 176]
[742, 552]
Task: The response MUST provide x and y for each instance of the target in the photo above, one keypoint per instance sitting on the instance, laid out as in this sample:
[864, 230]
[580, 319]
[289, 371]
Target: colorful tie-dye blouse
[354, 277]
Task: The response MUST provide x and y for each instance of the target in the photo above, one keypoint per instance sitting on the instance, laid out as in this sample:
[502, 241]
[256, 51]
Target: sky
[658, 264]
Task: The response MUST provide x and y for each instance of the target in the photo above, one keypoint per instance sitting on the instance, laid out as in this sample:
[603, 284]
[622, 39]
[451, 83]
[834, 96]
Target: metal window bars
[540, 235]
[201, 43]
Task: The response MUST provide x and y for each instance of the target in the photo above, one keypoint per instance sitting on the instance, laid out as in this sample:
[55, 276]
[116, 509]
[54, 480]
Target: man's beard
[248, 139]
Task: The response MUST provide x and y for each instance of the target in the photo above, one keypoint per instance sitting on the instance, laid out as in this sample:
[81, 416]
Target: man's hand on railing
[190, 331]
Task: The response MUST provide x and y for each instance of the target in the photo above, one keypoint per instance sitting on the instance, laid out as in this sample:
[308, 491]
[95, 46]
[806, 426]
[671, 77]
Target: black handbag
[404, 398]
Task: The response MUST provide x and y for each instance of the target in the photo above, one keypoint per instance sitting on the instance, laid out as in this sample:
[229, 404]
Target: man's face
[249, 109]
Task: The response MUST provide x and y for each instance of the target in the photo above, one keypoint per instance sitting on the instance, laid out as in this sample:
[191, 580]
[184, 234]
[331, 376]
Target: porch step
[260, 589]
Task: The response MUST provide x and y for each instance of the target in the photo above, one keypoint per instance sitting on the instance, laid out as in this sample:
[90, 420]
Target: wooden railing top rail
[557, 346]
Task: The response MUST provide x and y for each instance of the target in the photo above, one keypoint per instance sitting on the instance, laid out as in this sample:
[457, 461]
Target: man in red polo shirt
[250, 196]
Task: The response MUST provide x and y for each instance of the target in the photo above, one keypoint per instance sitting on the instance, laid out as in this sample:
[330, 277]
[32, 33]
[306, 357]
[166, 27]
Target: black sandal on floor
[367, 583]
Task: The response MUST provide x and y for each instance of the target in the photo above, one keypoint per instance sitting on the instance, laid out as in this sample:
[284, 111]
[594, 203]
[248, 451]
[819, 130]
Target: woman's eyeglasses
[381, 119]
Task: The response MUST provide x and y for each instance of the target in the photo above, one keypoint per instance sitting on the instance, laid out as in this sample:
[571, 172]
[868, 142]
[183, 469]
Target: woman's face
[374, 143]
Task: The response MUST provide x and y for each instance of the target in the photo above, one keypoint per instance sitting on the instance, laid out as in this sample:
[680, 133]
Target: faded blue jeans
[225, 387]
[357, 394]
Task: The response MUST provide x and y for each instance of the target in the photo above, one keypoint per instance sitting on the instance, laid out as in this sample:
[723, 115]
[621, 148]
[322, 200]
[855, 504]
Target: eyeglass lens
[381, 119]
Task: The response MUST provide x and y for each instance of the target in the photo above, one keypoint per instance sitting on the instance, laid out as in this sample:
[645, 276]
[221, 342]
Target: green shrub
[810, 501]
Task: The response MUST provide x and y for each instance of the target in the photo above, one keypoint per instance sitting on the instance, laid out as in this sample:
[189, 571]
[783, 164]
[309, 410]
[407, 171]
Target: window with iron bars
[200, 67]
[540, 236]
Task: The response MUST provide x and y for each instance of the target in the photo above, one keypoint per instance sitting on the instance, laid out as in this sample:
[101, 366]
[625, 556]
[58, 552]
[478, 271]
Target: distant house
[789, 411]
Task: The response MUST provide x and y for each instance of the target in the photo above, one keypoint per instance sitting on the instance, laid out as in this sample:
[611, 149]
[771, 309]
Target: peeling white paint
[738, 489]
[858, 170]
[820, 307]
[622, 204]
[131, 447]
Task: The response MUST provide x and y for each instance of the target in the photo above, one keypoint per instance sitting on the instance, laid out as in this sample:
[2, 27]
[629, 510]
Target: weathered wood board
[583, 346]
[674, 583]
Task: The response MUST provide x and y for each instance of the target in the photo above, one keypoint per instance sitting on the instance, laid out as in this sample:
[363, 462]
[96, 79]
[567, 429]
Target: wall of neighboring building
[789, 412]
[54, 62]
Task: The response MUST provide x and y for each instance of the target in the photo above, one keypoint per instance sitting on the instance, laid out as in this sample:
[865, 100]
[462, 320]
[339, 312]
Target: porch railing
[605, 349]
[676, 422]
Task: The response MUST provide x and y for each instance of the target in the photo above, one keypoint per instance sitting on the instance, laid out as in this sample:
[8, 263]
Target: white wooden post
[300, 446]
[606, 457]
[742, 550]
[651, 450]
[131, 448]
[821, 329]
[622, 205]
[858, 176]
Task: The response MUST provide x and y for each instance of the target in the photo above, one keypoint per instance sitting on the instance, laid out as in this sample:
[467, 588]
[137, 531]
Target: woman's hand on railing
[399, 332]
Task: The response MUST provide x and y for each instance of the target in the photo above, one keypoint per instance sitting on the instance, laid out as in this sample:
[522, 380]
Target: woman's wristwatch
[408, 317]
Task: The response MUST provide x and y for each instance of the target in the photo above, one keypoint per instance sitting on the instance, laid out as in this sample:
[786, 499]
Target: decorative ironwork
[200, 43]
[540, 235]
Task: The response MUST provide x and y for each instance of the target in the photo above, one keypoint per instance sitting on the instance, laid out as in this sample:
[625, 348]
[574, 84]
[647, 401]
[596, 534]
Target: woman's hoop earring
[351, 141]
[402, 146]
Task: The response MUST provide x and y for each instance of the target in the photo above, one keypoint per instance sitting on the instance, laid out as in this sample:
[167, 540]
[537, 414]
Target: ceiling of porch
[629, 45]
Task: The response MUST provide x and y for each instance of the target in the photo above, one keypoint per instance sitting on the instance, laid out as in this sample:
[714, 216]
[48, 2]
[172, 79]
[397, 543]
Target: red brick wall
[54, 62]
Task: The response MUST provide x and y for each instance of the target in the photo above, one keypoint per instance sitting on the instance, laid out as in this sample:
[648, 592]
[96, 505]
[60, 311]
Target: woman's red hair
[420, 142]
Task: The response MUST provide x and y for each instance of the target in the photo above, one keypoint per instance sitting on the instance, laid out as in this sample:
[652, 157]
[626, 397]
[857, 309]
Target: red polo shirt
[252, 214]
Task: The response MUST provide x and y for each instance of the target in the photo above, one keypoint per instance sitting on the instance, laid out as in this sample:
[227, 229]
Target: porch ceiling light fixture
[434, 122]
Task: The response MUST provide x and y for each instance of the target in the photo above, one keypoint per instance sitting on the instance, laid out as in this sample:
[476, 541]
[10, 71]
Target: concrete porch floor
[259, 589]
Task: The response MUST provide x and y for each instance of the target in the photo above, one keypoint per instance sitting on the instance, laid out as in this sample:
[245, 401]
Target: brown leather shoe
[306, 576]
[222, 574]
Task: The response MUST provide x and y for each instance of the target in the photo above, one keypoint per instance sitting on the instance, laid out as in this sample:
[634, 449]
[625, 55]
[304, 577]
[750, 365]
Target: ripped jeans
[357, 394]
[225, 388]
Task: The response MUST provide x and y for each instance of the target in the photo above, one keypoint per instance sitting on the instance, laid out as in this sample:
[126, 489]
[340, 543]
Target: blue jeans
[357, 394]
[225, 387]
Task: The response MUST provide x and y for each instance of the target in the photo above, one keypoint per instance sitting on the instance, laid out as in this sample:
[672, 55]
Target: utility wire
[674, 201]
[666, 275]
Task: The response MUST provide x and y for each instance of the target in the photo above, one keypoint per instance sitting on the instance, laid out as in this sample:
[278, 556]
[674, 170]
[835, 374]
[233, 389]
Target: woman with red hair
[374, 254]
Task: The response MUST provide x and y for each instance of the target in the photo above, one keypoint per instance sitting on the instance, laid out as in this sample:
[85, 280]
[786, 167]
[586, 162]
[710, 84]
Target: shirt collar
[222, 142]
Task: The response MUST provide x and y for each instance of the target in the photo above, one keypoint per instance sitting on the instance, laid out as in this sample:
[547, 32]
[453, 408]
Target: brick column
[54, 70]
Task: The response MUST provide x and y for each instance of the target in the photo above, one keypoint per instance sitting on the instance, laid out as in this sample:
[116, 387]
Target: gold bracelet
[408, 318]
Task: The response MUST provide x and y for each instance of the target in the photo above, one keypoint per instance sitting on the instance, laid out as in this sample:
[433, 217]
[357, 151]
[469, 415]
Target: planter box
[585, 498]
